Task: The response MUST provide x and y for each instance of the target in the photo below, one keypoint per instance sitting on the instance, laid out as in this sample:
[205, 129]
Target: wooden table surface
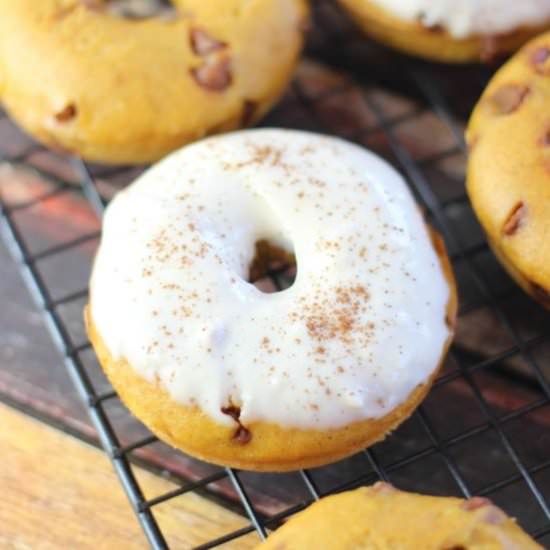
[71, 498]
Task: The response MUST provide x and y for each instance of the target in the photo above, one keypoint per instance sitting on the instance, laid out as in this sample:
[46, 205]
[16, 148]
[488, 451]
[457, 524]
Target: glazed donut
[509, 166]
[454, 31]
[270, 381]
[381, 517]
[90, 78]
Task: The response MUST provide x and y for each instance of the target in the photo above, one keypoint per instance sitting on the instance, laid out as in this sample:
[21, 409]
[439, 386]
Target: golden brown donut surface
[509, 166]
[120, 90]
[433, 42]
[383, 518]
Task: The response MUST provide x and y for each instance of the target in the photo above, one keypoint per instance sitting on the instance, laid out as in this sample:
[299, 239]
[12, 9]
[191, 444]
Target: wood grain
[57, 492]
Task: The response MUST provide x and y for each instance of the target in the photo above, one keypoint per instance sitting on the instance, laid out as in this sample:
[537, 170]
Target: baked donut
[454, 31]
[92, 78]
[508, 176]
[270, 381]
[381, 517]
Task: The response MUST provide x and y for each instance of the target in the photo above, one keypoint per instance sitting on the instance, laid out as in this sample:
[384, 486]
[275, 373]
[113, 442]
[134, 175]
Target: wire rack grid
[480, 452]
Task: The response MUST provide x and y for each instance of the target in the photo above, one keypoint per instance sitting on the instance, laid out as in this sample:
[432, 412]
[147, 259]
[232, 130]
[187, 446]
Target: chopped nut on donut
[214, 76]
[204, 44]
[67, 113]
[515, 219]
[476, 502]
[242, 435]
[508, 98]
[232, 411]
[384, 488]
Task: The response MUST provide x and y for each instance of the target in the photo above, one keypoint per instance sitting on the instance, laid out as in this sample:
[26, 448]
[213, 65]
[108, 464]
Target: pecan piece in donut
[203, 43]
[476, 502]
[384, 488]
[515, 219]
[242, 435]
[232, 411]
[213, 75]
[67, 113]
[509, 98]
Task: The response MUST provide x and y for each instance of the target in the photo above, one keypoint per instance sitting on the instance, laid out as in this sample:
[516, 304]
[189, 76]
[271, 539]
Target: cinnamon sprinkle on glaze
[358, 304]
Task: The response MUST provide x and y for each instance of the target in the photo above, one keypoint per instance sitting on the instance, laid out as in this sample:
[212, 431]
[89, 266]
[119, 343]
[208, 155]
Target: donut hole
[273, 268]
[134, 9]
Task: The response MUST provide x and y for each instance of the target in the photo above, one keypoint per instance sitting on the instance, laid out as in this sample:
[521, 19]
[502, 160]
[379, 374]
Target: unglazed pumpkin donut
[279, 381]
[85, 77]
[508, 178]
[383, 518]
[455, 31]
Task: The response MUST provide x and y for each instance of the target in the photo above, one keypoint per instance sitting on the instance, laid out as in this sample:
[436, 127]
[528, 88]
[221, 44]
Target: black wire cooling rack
[484, 427]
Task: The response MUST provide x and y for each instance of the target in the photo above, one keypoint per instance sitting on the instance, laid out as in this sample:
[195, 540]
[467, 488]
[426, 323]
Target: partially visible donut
[508, 178]
[454, 31]
[95, 78]
[278, 381]
[383, 518]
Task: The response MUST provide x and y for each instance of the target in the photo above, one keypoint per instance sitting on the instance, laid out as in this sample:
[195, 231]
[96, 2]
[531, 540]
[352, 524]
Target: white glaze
[463, 18]
[362, 325]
